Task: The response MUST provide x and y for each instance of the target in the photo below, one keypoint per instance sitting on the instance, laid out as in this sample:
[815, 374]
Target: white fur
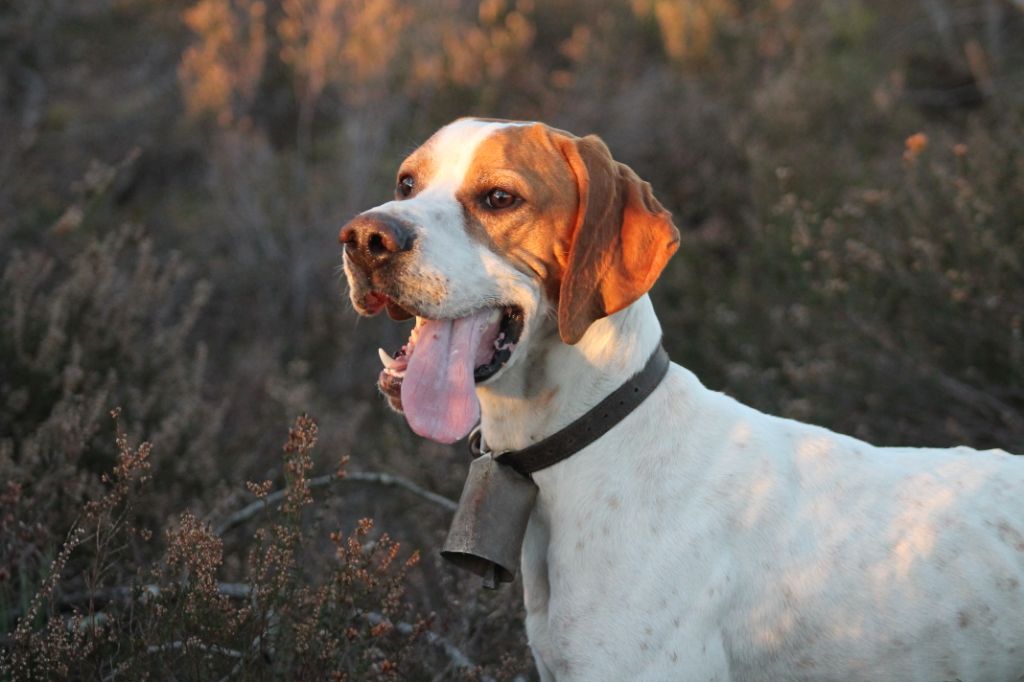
[700, 539]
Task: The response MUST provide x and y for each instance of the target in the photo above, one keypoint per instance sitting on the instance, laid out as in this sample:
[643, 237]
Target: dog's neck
[553, 384]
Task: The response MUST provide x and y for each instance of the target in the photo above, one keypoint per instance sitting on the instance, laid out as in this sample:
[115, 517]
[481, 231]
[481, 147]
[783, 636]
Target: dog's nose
[372, 239]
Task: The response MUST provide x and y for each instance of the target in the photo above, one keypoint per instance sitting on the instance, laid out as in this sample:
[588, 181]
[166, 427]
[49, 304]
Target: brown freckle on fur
[604, 530]
[674, 657]
[648, 630]
[644, 646]
[1008, 583]
[805, 662]
[1011, 536]
[579, 545]
[613, 501]
[675, 621]
[962, 619]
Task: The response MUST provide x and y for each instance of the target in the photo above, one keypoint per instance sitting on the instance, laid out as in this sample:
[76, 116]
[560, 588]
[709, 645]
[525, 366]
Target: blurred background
[847, 175]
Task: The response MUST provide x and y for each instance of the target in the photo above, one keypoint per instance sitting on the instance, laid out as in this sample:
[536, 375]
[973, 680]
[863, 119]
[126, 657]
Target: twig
[210, 648]
[124, 592]
[275, 498]
[173, 646]
[241, 661]
[457, 657]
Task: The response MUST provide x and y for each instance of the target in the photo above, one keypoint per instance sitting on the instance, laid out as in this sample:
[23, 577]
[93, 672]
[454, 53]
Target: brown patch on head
[420, 166]
[586, 225]
[533, 234]
[962, 620]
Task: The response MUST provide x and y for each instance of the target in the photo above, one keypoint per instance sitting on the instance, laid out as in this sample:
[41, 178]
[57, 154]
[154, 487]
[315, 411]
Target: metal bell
[486, 535]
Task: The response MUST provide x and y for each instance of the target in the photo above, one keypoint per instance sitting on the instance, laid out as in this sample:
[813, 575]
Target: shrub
[347, 619]
[109, 324]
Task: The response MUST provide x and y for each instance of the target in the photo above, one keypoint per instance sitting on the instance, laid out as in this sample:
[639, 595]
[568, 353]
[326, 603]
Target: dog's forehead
[445, 159]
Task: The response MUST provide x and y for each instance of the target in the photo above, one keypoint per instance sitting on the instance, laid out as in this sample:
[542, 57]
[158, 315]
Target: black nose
[372, 239]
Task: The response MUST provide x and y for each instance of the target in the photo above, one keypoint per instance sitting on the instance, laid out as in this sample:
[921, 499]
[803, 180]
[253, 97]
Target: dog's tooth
[385, 358]
[495, 316]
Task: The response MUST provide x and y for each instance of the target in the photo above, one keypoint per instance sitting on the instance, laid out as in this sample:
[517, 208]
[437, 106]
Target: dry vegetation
[848, 176]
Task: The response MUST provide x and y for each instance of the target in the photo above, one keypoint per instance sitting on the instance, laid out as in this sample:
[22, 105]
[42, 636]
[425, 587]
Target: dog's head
[494, 226]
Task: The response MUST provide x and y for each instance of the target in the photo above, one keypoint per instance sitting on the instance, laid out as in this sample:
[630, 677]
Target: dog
[698, 539]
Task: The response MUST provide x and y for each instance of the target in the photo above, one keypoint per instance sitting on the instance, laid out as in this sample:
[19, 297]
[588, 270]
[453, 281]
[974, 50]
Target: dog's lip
[396, 311]
[373, 301]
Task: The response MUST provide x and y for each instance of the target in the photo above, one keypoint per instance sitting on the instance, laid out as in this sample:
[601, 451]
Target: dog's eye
[499, 198]
[405, 185]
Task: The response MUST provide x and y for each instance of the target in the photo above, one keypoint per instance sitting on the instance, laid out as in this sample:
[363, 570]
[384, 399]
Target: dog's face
[494, 226]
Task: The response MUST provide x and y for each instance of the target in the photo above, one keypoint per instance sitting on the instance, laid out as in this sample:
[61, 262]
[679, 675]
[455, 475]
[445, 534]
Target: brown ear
[620, 243]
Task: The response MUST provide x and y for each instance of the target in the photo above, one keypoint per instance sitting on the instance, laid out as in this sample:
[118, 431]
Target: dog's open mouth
[432, 378]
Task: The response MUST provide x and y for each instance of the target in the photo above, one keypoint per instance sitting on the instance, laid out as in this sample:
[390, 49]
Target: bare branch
[275, 498]
[175, 646]
[209, 648]
[124, 593]
[455, 655]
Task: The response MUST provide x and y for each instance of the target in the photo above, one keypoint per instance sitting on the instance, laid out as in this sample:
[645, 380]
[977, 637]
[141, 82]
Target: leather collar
[585, 430]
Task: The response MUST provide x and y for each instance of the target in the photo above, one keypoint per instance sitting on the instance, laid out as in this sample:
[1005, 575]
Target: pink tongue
[438, 394]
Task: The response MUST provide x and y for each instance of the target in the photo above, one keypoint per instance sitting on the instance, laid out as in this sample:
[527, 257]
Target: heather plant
[109, 324]
[346, 617]
[49, 644]
[936, 249]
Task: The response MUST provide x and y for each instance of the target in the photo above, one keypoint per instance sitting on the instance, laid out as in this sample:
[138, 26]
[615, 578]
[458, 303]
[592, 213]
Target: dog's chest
[610, 567]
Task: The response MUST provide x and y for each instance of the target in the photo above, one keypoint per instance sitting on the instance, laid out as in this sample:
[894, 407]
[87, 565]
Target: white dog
[698, 539]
